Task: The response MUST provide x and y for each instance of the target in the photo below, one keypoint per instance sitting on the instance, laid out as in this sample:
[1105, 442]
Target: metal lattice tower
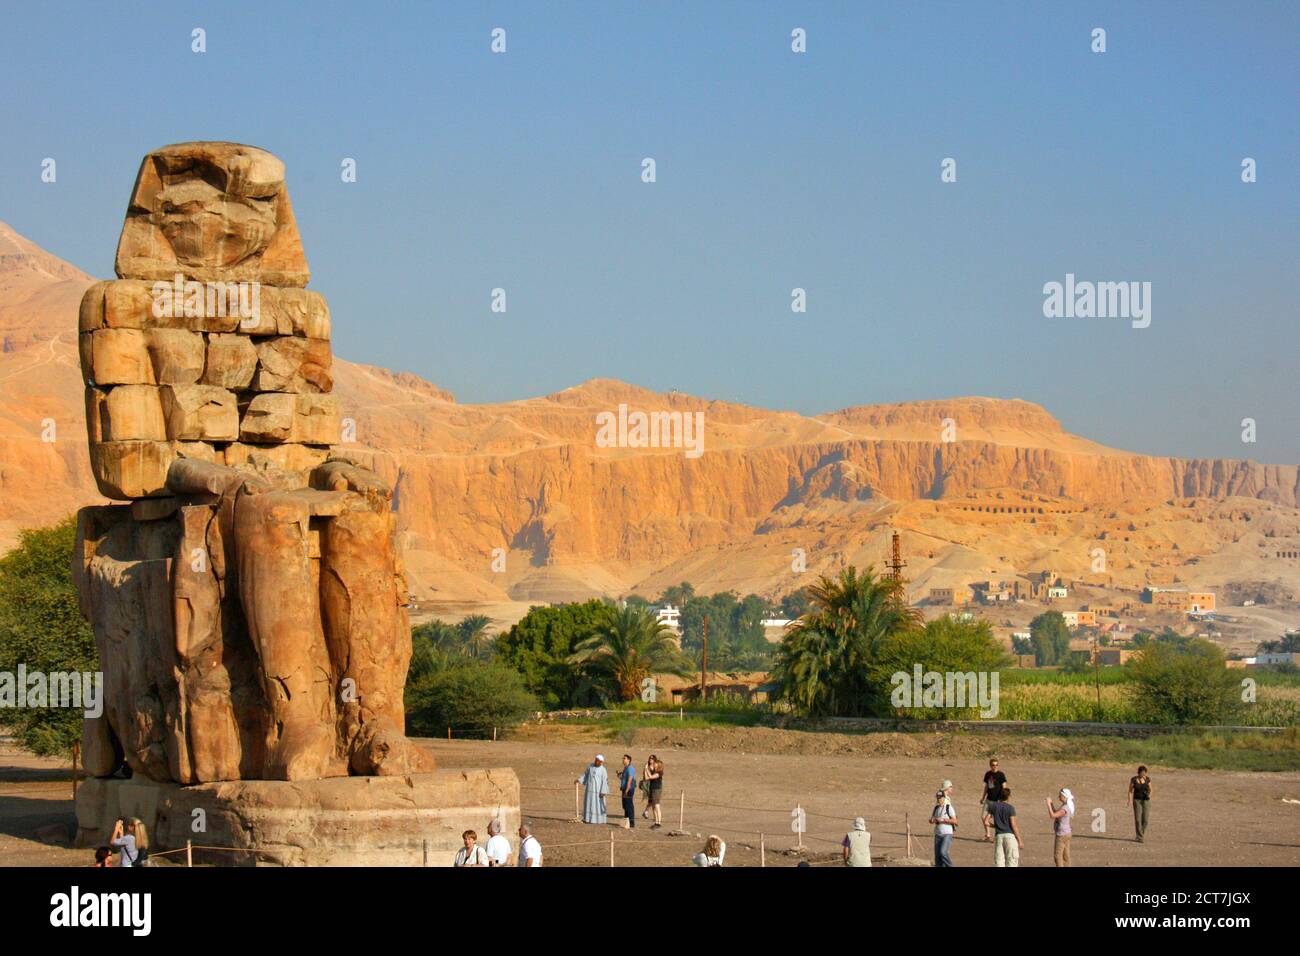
[895, 564]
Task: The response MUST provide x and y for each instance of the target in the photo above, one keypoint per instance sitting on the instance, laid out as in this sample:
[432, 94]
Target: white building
[671, 616]
[1264, 660]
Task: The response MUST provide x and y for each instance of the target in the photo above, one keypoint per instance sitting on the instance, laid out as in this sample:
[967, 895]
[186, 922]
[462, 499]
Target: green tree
[1077, 662]
[626, 648]
[1287, 644]
[1051, 639]
[437, 635]
[677, 594]
[451, 690]
[41, 627]
[540, 645]
[734, 624]
[1183, 684]
[795, 604]
[823, 662]
[943, 645]
[473, 633]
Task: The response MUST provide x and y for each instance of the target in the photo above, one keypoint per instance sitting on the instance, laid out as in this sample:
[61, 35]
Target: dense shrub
[41, 627]
[1187, 684]
[463, 693]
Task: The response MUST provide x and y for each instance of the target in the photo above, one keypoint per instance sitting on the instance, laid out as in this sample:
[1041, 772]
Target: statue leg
[278, 591]
[369, 636]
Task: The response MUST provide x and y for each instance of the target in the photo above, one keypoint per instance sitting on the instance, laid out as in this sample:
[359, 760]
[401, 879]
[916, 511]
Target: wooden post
[76, 753]
[611, 847]
[704, 666]
[762, 850]
[189, 853]
[449, 733]
[681, 813]
[494, 735]
[799, 807]
[907, 821]
[425, 846]
[681, 713]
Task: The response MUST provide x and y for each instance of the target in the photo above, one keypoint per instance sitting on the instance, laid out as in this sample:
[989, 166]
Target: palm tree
[626, 648]
[471, 630]
[823, 662]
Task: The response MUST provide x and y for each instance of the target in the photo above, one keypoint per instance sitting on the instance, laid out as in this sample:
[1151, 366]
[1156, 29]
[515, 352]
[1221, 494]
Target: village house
[948, 597]
[749, 686]
[1184, 602]
[1108, 656]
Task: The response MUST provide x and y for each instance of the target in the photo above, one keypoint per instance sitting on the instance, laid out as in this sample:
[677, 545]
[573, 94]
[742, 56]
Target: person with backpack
[132, 841]
[944, 819]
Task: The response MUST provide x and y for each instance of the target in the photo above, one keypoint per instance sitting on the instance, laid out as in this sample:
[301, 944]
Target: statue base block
[338, 821]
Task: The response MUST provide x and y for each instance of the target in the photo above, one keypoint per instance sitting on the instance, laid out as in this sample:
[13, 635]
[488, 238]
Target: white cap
[600, 757]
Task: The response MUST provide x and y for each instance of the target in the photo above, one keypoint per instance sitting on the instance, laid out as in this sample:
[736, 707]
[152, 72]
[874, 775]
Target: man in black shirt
[994, 781]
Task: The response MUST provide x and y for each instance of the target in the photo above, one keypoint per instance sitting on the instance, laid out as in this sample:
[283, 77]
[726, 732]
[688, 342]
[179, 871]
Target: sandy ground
[1199, 818]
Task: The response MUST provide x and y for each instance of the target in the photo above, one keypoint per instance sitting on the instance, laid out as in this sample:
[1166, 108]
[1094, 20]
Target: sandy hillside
[1013, 492]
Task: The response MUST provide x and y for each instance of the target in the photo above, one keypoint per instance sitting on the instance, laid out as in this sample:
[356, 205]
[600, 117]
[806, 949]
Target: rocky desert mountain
[515, 502]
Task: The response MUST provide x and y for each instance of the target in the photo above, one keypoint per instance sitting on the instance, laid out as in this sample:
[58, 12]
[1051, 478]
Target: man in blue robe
[596, 779]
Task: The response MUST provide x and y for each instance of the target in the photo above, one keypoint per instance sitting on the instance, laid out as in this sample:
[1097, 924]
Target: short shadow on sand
[21, 817]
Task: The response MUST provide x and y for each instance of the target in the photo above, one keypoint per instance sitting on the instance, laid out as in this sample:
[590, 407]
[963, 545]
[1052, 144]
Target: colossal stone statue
[248, 602]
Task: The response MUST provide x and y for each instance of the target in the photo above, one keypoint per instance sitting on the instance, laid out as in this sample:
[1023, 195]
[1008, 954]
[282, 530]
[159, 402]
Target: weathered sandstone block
[178, 355]
[135, 304]
[231, 361]
[91, 314]
[290, 312]
[200, 413]
[289, 363]
[131, 413]
[138, 469]
[117, 357]
[307, 419]
[297, 459]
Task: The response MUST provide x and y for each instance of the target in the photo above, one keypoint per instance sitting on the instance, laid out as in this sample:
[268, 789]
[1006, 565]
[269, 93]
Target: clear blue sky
[775, 170]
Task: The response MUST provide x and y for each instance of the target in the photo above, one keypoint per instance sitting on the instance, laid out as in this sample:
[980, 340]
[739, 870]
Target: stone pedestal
[338, 821]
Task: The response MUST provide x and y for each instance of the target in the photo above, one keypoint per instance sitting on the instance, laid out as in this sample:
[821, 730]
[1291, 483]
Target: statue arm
[190, 476]
[339, 474]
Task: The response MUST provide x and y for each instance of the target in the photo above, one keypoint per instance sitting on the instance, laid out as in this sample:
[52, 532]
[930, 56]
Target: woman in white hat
[1060, 817]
